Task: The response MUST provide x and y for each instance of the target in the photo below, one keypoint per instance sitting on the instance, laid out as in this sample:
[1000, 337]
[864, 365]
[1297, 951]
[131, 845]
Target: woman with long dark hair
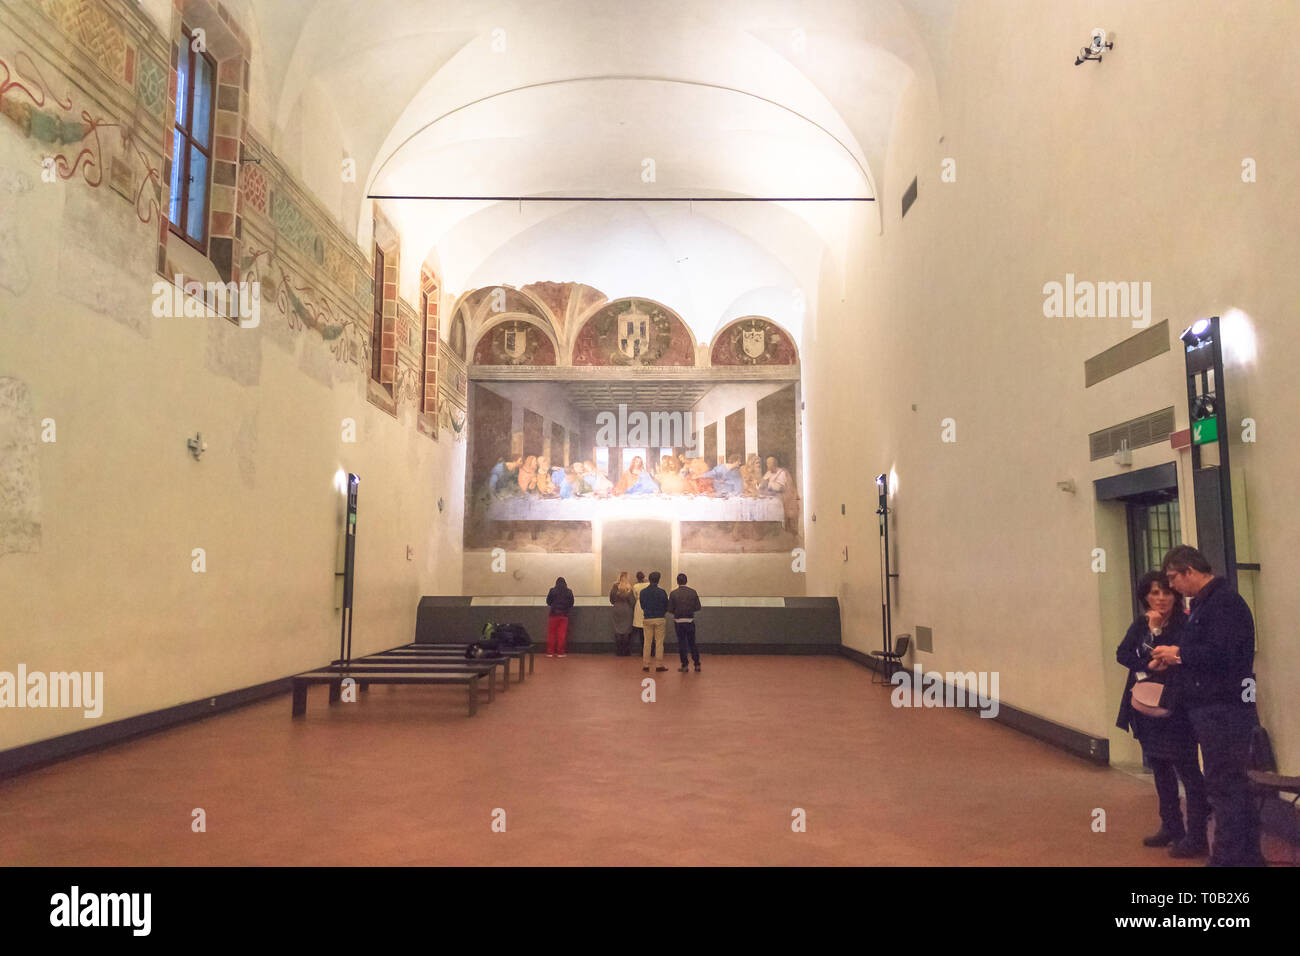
[1168, 744]
[560, 600]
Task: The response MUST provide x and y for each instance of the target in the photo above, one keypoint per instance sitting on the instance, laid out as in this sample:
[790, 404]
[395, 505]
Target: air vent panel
[1137, 432]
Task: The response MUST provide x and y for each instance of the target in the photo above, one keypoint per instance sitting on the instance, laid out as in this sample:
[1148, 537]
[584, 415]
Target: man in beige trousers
[653, 602]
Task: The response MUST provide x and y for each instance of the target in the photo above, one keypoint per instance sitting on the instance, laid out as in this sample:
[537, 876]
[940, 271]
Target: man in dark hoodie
[560, 600]
[654, 602]
[1215, 661]
[683, 604]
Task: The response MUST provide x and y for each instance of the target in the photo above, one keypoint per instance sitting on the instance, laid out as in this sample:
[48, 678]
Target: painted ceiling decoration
[565, 298]
[634, 332]
[753, 340]
[489, 302]
[514, 343]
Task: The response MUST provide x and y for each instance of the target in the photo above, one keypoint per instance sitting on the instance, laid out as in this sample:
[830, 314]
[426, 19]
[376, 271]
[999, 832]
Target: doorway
[1154, 529]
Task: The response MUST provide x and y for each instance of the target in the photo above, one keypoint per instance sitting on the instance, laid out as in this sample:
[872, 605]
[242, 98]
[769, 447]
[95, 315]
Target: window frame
[377, 321]
[424, 351]
[188, 142]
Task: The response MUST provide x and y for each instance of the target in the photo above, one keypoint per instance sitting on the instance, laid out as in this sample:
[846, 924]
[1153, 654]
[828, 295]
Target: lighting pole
[1207, 414]
[886, 608]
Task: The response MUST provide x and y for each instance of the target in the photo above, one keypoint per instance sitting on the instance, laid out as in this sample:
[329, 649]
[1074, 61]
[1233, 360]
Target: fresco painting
[548, 461]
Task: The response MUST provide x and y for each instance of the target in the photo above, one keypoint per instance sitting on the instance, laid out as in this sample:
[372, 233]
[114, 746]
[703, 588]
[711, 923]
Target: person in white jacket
[638, 616]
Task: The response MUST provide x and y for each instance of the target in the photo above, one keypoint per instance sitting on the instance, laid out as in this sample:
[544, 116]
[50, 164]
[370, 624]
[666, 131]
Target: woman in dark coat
[560, 600]
[621, 599]
[1168, 745]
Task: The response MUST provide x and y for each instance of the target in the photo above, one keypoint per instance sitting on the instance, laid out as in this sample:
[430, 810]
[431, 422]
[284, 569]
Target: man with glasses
[1215, 659]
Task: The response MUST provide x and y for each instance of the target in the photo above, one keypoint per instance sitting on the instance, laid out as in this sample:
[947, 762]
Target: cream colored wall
[313, 146]
[122, 504]
[1127, 170]
[719, 575]
[527, 573]
[842, 428]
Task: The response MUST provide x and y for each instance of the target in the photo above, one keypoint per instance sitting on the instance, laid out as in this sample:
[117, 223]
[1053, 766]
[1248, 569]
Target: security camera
[1095, 48]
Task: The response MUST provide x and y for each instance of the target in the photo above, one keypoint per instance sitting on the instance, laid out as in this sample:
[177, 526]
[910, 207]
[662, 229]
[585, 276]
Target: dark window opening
[377, 327]
[1154, 529]
[192, 143]
[424, 352]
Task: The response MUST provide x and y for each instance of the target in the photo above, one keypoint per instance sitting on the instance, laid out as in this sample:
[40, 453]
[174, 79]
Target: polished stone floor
[586, 772]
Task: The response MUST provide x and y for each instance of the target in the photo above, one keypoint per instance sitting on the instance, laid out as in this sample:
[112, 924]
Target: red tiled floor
[588, 774]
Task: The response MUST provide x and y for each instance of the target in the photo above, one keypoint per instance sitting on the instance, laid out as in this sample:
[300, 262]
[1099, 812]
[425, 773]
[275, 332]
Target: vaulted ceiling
[574, 97]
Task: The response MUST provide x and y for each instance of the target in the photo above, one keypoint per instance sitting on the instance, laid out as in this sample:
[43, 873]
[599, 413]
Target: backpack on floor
[512, 635]
[483, 650]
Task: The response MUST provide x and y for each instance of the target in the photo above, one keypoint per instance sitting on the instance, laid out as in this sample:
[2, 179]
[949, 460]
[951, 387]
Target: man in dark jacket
[1216, 661]
[654, 602]
[683, 603]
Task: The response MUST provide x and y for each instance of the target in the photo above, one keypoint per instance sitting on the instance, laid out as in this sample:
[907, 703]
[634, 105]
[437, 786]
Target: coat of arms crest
[633, 333]
[753, 340]
[514, 341]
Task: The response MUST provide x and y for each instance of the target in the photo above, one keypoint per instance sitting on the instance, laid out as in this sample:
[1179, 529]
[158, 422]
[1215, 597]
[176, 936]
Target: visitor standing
[683, 605]
[560, 600]
[1215, 663]
[621, 611]
[654, 603]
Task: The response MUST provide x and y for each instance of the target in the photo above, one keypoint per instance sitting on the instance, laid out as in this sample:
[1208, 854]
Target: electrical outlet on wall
[846, 552]
[410, 553]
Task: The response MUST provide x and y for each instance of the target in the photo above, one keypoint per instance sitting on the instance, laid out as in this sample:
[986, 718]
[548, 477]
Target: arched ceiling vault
[573, 97]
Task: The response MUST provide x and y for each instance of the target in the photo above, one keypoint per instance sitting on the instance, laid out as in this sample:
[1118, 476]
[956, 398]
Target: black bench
[362, 667]
[437, 661]
[459, 649]
[530, 651]
[335, 681]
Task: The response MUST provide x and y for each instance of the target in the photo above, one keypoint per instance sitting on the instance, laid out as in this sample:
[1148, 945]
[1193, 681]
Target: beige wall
[714, 575]
[121, 504]
[1127, 170]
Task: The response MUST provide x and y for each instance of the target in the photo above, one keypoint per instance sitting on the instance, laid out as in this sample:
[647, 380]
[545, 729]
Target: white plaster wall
[1126, 170]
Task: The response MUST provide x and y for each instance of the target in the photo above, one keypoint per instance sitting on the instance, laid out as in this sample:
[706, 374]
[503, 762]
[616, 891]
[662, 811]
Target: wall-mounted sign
[1204, 431]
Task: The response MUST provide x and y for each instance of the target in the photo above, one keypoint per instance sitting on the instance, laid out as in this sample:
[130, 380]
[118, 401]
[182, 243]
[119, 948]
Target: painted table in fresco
[668, 507]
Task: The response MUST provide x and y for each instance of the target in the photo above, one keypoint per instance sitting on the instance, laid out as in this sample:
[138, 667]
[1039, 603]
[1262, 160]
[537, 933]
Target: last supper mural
[585, 411]
[549, 461]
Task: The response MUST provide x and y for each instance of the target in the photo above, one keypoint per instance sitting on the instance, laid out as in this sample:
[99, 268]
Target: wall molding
[43, 752]
[1093, 749]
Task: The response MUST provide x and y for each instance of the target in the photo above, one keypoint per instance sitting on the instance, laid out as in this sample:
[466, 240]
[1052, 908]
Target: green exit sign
[1204, 431]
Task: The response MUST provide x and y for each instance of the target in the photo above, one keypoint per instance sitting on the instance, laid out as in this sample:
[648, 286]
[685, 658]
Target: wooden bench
[362, 667]
[516, 652]
[335, 681]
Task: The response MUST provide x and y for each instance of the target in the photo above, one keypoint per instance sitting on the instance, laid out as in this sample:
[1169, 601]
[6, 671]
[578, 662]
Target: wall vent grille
[1137, 432]
[1133, 351]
